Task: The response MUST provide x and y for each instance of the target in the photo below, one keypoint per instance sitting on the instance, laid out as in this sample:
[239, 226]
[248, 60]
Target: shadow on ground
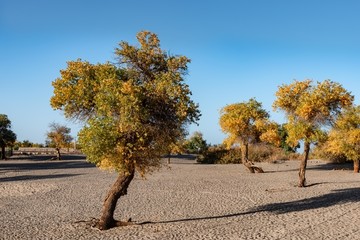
[43, 162]
[35, 177]
[333, 166]
[327, 200]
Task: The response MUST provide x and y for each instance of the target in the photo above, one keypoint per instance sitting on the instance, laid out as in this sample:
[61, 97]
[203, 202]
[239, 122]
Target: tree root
[115, 223]
[94, 223]
[126, 223]
[252, 167]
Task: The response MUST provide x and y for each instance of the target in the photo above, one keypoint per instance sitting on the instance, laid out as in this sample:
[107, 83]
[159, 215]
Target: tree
[27, 143]
[58, 137]
[283, 134]
[309, 108]
[7, 136]
[196, 143]
[344, 137]
[244, 123]
[134, 111]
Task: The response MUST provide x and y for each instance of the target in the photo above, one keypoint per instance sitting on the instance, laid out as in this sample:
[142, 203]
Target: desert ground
[44, 199]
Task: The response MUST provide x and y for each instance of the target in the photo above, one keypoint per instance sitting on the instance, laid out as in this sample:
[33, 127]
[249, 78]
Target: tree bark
[58, 156]
[245, 160]
[356, 165]
[303, 163]
[118, 189]
[3, 152]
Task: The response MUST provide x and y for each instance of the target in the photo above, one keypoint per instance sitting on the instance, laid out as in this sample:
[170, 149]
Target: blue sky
[239, 49]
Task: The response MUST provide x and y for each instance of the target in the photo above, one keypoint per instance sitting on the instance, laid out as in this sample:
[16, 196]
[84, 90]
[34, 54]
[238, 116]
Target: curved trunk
[303, 163]
[356, 165]
[118, 189]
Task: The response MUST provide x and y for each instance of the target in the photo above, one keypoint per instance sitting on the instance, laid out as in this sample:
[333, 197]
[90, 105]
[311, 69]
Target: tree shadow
[327, 200]
[43, 162]
[281, 170]
[35, 177]
[47, 157]
[333, 166]
[182, 156]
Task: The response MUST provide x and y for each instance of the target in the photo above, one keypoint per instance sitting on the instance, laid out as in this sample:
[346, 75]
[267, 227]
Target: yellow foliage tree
[308, 108]
[344, 138]
[134, 111]
[58, 137]
[245, 123]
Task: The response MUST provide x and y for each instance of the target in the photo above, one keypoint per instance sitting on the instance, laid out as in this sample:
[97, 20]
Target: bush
[212, 155]
[257, 153]
[266, 152]
[320, 152]
[230, 156]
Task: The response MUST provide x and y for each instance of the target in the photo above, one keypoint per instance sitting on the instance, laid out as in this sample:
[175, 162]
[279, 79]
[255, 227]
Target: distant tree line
[58, 137]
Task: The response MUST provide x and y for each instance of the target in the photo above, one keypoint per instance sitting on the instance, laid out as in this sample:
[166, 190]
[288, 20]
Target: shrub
[320, 152]
[257, 153]
[212, 155]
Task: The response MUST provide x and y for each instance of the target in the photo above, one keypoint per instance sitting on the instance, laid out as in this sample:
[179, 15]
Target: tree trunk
[3, 157]
[303, 163]
[356, 165]
[58, 156]
[245, 160]
[118, 189]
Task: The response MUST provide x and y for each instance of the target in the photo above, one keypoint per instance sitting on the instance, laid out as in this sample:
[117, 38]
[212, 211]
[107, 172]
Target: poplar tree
[310, 107]
[246, 123]
[58, 137]
[134, 110]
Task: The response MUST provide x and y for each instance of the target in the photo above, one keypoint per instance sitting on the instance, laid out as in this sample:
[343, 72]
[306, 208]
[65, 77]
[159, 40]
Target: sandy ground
[41, 199]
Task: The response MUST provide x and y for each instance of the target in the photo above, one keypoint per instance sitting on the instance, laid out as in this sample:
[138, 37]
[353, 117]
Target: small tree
[309, 108]
[58, 137]
[134, 111]
[344, 138]
[7, 136]
[196, 143]
[244, 123]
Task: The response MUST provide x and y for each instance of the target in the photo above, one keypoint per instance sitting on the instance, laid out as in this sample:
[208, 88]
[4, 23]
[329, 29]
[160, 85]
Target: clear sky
[239, 49]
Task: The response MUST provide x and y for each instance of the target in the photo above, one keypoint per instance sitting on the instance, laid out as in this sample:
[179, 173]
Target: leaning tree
[7, 136]
[246, 123]
[309, 108]
[134, 110]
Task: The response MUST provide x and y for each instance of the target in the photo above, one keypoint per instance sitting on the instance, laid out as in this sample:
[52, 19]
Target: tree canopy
[7, 136]
[309, 108]
[134, 109]
[241, 121]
